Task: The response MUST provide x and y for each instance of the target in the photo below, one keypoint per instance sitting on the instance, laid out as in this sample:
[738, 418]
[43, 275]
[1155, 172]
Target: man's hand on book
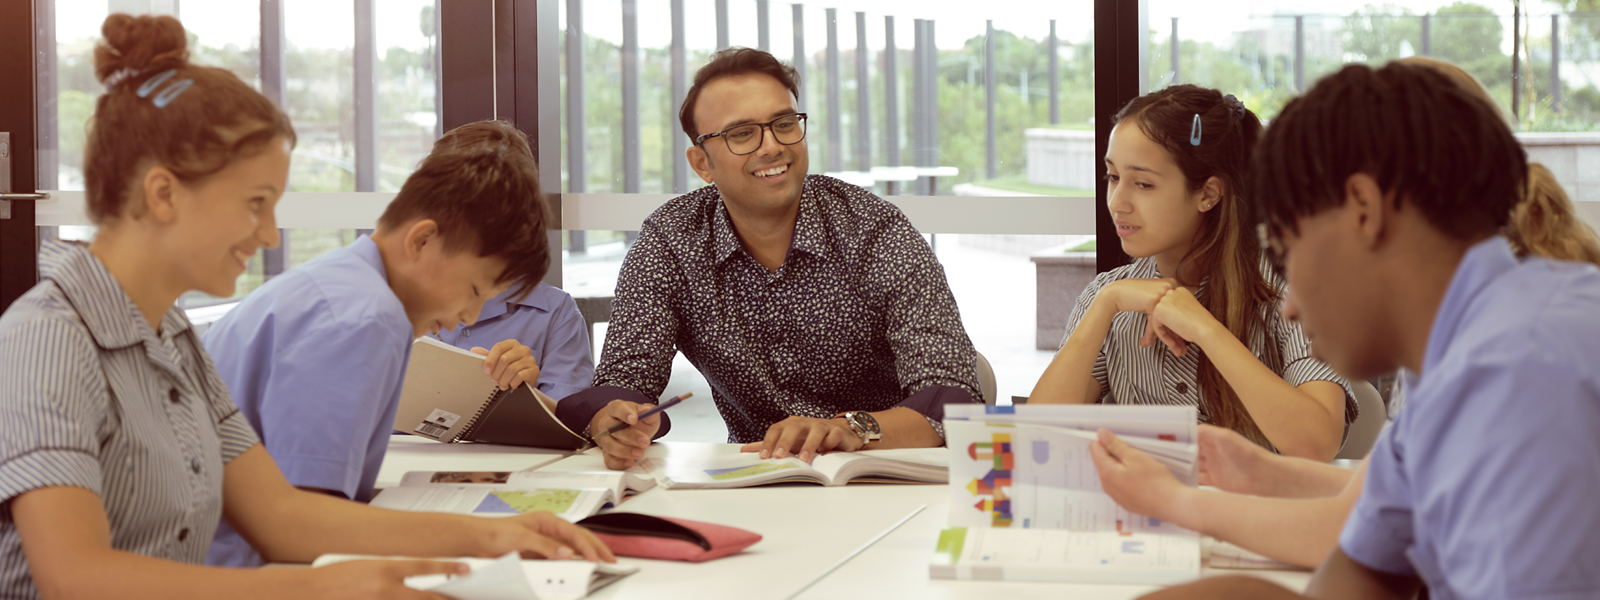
[624, 448]
[805, 437]
[376, 579]
[1136, 481]
[540, 535]
[509, 364]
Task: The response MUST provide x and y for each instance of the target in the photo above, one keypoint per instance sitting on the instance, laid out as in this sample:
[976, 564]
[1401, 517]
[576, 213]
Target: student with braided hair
[120, 447]
[1193, 320]
[1387, 191]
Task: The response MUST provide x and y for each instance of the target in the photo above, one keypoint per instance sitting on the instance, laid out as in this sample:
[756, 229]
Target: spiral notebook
[446, 397]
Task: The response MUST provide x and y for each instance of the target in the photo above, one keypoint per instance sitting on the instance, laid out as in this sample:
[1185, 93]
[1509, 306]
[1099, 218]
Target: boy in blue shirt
[547, 322]
[315, 358]
[1383, 193]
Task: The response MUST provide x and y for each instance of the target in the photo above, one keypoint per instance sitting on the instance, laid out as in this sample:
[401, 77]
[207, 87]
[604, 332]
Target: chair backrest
[1364, 431]
[986, 380]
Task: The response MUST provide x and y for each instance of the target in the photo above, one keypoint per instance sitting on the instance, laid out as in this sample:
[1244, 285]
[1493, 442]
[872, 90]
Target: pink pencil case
[666, 538]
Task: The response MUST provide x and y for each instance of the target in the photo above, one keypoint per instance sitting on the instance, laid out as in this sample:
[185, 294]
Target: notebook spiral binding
[495, 394]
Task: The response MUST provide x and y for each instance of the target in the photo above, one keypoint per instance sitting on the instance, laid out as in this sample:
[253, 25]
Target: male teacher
[817, 313]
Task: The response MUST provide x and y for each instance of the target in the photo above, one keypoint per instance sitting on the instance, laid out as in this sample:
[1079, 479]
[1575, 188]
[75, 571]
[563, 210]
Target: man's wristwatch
[864, 425]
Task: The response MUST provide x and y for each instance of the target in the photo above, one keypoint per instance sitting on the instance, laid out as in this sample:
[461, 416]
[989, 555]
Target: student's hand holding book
[509, 364]
[1140, 483]
[536, 535]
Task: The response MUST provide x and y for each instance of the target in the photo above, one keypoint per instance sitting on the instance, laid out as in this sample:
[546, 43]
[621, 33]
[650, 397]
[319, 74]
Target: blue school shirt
[547, 321]
[315, 359]
[1485, 485]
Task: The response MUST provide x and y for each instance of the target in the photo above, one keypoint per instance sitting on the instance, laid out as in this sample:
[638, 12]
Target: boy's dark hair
[1412, 129]
[481, 186]
[727, 63]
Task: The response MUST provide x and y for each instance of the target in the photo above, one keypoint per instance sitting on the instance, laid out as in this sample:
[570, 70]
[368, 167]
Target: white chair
[986, 380]
[1364, 431]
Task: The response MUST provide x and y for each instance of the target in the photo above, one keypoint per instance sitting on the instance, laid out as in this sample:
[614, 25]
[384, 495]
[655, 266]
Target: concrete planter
[1574, 158]
[1061, 277]
[1061, 158]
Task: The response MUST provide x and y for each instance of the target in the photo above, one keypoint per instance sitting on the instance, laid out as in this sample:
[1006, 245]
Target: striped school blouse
[91, 397]
[1129, 374]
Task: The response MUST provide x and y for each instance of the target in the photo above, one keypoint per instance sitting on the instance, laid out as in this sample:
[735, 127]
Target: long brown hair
[1225, 251]
[160, 110]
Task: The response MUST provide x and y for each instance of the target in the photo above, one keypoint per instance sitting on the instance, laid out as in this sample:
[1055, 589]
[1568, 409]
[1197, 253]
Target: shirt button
[184, 534]
[173, 394]
[466, 332]
[194, 465]
[1183, 388]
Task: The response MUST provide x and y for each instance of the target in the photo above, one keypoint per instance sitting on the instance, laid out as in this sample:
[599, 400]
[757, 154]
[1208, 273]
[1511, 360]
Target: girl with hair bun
[120, 449]
[1194, 321]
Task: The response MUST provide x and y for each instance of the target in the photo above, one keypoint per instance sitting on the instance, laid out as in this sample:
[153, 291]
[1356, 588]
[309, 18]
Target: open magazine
[509, 577]
[1022, 477]
[571, 495]
[905, 465]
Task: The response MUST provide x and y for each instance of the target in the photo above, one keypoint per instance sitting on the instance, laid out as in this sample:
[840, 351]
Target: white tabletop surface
[805, 529]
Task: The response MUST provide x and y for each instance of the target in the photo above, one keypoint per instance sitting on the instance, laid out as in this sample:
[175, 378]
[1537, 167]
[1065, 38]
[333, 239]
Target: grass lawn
[1019, 183]
[1084, 247]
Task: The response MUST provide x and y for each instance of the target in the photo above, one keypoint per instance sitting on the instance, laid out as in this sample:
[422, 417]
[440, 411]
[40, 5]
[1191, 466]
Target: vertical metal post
[1121, 73]
[891, 95]
[722, 24]
[863, 96]
[680, 88]
[438, 72]
[577, 112]
[990, 83]
[919, 101]
[45, 87]
[1177, 73]
[1055, 75]
[1299, 53]
[800, 51]
[763, 35]
[577, 117]
[274, 261]
[1427, 34]
[931, 57]
[366, 100]
[1516, 61]
[542, 89]
[632, 162]
[1555, 63]
[835, 112]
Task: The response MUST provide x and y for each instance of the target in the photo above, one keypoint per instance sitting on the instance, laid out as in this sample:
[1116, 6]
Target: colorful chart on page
[556, 501]
[749, 471]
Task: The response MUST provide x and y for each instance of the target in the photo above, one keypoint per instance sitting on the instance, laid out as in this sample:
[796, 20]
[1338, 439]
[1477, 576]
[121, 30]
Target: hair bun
[140, 43]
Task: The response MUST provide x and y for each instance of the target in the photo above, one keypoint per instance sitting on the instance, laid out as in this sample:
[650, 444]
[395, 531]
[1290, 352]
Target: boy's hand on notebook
[509, 364]
[805, 437]
[624, 448]
[1136, 481]
[541, 535]
[377, 579]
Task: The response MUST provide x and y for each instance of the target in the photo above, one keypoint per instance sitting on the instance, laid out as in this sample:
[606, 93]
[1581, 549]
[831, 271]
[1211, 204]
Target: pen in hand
[595, 439]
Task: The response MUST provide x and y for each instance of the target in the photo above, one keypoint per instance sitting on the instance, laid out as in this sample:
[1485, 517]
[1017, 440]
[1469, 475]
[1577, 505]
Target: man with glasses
[817, 313]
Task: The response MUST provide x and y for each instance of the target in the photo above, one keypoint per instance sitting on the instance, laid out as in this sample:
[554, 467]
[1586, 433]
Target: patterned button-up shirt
[858, 317]
[92, 397]
[1130, 374]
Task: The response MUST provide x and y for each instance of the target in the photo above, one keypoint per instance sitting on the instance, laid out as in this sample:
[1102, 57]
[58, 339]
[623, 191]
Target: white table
[805, 530]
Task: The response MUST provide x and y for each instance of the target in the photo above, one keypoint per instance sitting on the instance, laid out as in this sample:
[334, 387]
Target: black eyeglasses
[744, 139]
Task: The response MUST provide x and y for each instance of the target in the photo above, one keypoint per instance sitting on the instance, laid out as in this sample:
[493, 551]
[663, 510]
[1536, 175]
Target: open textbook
[571, 495]
[1025, 475]
[509, 577]
[905, 465]
[446, 397]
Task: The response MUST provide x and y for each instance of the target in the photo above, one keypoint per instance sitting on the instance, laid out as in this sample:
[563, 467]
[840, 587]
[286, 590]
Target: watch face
[867, 422]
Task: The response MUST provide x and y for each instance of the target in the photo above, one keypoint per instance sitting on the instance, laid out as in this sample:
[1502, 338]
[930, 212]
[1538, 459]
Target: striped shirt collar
[107, 311]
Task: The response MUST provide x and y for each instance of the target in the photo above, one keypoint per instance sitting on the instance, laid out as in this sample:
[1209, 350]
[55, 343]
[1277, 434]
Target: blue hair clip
[169, 93]
[1194, 131]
